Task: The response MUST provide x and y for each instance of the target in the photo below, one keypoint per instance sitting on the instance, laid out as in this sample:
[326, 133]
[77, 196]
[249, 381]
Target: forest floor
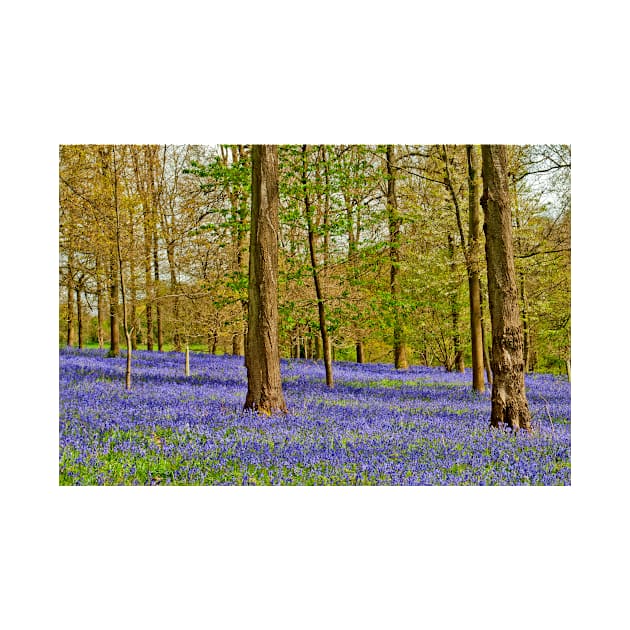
[377, 426]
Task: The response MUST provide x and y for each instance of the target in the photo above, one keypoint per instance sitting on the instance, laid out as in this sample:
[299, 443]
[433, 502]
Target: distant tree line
[381, 251]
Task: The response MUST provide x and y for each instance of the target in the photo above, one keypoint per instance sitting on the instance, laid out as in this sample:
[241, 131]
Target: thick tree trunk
[475, 186]
[264, 384]
[395, 222]
[509, 403]
[321, 310]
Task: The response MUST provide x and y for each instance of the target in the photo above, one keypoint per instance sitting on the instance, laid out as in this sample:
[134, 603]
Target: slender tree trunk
[359, 350]
[475, 189]
[213, 340]
[187, 361]
[123, 291]
[326, 223]
[79, 317]
[70, 312]
[136, 337]
[458, 363]
[156, 285]
[264, 384]
[524, 318]
[486, 354]
[100, 303]
[395, 222]
[170, 255]
[321, 310]
[114, 333]
[317, 355]
[521, 284]
[509, 403]
[239, 205]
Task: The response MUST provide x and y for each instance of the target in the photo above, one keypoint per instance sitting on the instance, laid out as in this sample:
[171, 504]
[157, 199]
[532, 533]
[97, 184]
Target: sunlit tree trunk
[264, 384]
[509, 403]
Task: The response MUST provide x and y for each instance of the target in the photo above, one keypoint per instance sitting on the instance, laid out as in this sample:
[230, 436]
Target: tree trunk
[509, 403]
[79, 317]
[458, 363]
[318, 289]
[237, 344]
[145, 185]
[156, 278]
[239, 206]
[136, 338]
[170, 255]
[475, 186]
[114, 333]
[213, 340]
[395, 222]
[524, 318]
[359, 349]
[100, 303]
[70, 312]
[264, 384]
[317, 354]
[187, 362]
[122, 276]
[484, 345]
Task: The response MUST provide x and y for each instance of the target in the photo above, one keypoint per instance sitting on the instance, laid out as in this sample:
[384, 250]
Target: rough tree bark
[264, 384]
[509, 403]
